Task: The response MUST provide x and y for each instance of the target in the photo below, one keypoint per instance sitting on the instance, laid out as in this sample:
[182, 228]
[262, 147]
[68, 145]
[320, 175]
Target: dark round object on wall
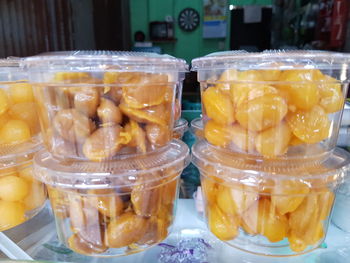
[139, 36]
[188, 19]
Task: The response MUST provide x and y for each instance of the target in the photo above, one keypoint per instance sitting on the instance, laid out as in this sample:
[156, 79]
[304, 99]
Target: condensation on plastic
[104, 60]
[181, 126]
[113, 174]
[272, 59]
[235, 168]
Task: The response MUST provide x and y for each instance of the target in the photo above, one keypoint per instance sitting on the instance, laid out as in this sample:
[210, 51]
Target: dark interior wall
[111, 23]
[251, 34]
[29, 27]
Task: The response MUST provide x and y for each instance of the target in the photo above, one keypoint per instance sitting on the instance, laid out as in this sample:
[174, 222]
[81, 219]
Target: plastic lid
[197, 124]
[11, 150]
[10, 71]
[229, 168]
[105, 60]
[20, 155]
[181, 125]
[10, 62]
[112, 174]
[272, 59]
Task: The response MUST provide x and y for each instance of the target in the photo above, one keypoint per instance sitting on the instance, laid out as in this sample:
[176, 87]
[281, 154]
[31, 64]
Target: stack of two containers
[110, 164]
[269, 166]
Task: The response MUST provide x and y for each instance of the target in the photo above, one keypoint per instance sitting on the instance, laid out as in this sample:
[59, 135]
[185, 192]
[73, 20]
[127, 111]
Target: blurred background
[181, 28]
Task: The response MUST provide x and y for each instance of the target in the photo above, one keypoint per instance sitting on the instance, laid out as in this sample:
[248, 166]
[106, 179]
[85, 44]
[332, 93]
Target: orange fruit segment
[305, 216]
[296, 243]
[209, 189]
[71, 77]
[26, 111]
[222, 226]
[142, 96]
[15, 131]
[242, 138]
[36, 196]
[332, 99]
[218, 106]
[13, 188]
[302, 88]
[4, 118]
[286, 196]
[21, 92]
[273, 141]
[262, 113]
[325, 202]
[217, 134]
[12, 214]
[310, 126]
[225, 201]
[4, 103]
[262, 218]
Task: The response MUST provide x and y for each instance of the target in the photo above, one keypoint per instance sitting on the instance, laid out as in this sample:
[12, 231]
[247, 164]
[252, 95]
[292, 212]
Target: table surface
[36, 239]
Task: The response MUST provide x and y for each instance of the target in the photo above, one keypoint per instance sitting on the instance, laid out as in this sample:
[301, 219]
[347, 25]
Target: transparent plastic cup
[268, 208]
[96, 105]
[197, 128]
[178, 102]
[341, 213]
[181, 126]
[19, 122]
[274, 104]
[114, 208]
[21, 195]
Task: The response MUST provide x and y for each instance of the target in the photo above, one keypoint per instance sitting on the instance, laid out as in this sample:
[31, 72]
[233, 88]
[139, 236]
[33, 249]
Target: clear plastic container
[21, 195]
[268, 208]
[178, 102]
[181, 126]
[341, 213]
[114, 208]
[197, 128]
[95, 105]
[19, 122]
[274, 104]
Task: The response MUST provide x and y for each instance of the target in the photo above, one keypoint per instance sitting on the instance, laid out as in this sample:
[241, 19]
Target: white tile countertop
[37, 240]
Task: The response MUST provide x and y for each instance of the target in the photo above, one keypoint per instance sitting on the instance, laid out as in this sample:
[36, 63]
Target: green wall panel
[189, 44]
[250, 2]
[139, 16]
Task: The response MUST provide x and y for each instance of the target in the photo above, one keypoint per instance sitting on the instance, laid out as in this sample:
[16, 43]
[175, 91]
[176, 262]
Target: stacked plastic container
[269, 167]
[110, 164]
[181, 126]
[197, 128]
[21, 196]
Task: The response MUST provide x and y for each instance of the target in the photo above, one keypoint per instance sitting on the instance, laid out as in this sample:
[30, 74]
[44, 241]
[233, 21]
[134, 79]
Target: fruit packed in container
[114, 208]
[274, 104]
[98, 105]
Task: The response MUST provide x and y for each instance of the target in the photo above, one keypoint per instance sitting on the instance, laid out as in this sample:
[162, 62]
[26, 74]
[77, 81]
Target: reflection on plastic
[189, 250]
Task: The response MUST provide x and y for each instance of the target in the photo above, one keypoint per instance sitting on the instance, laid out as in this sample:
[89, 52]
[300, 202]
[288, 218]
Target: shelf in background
[171, 40]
